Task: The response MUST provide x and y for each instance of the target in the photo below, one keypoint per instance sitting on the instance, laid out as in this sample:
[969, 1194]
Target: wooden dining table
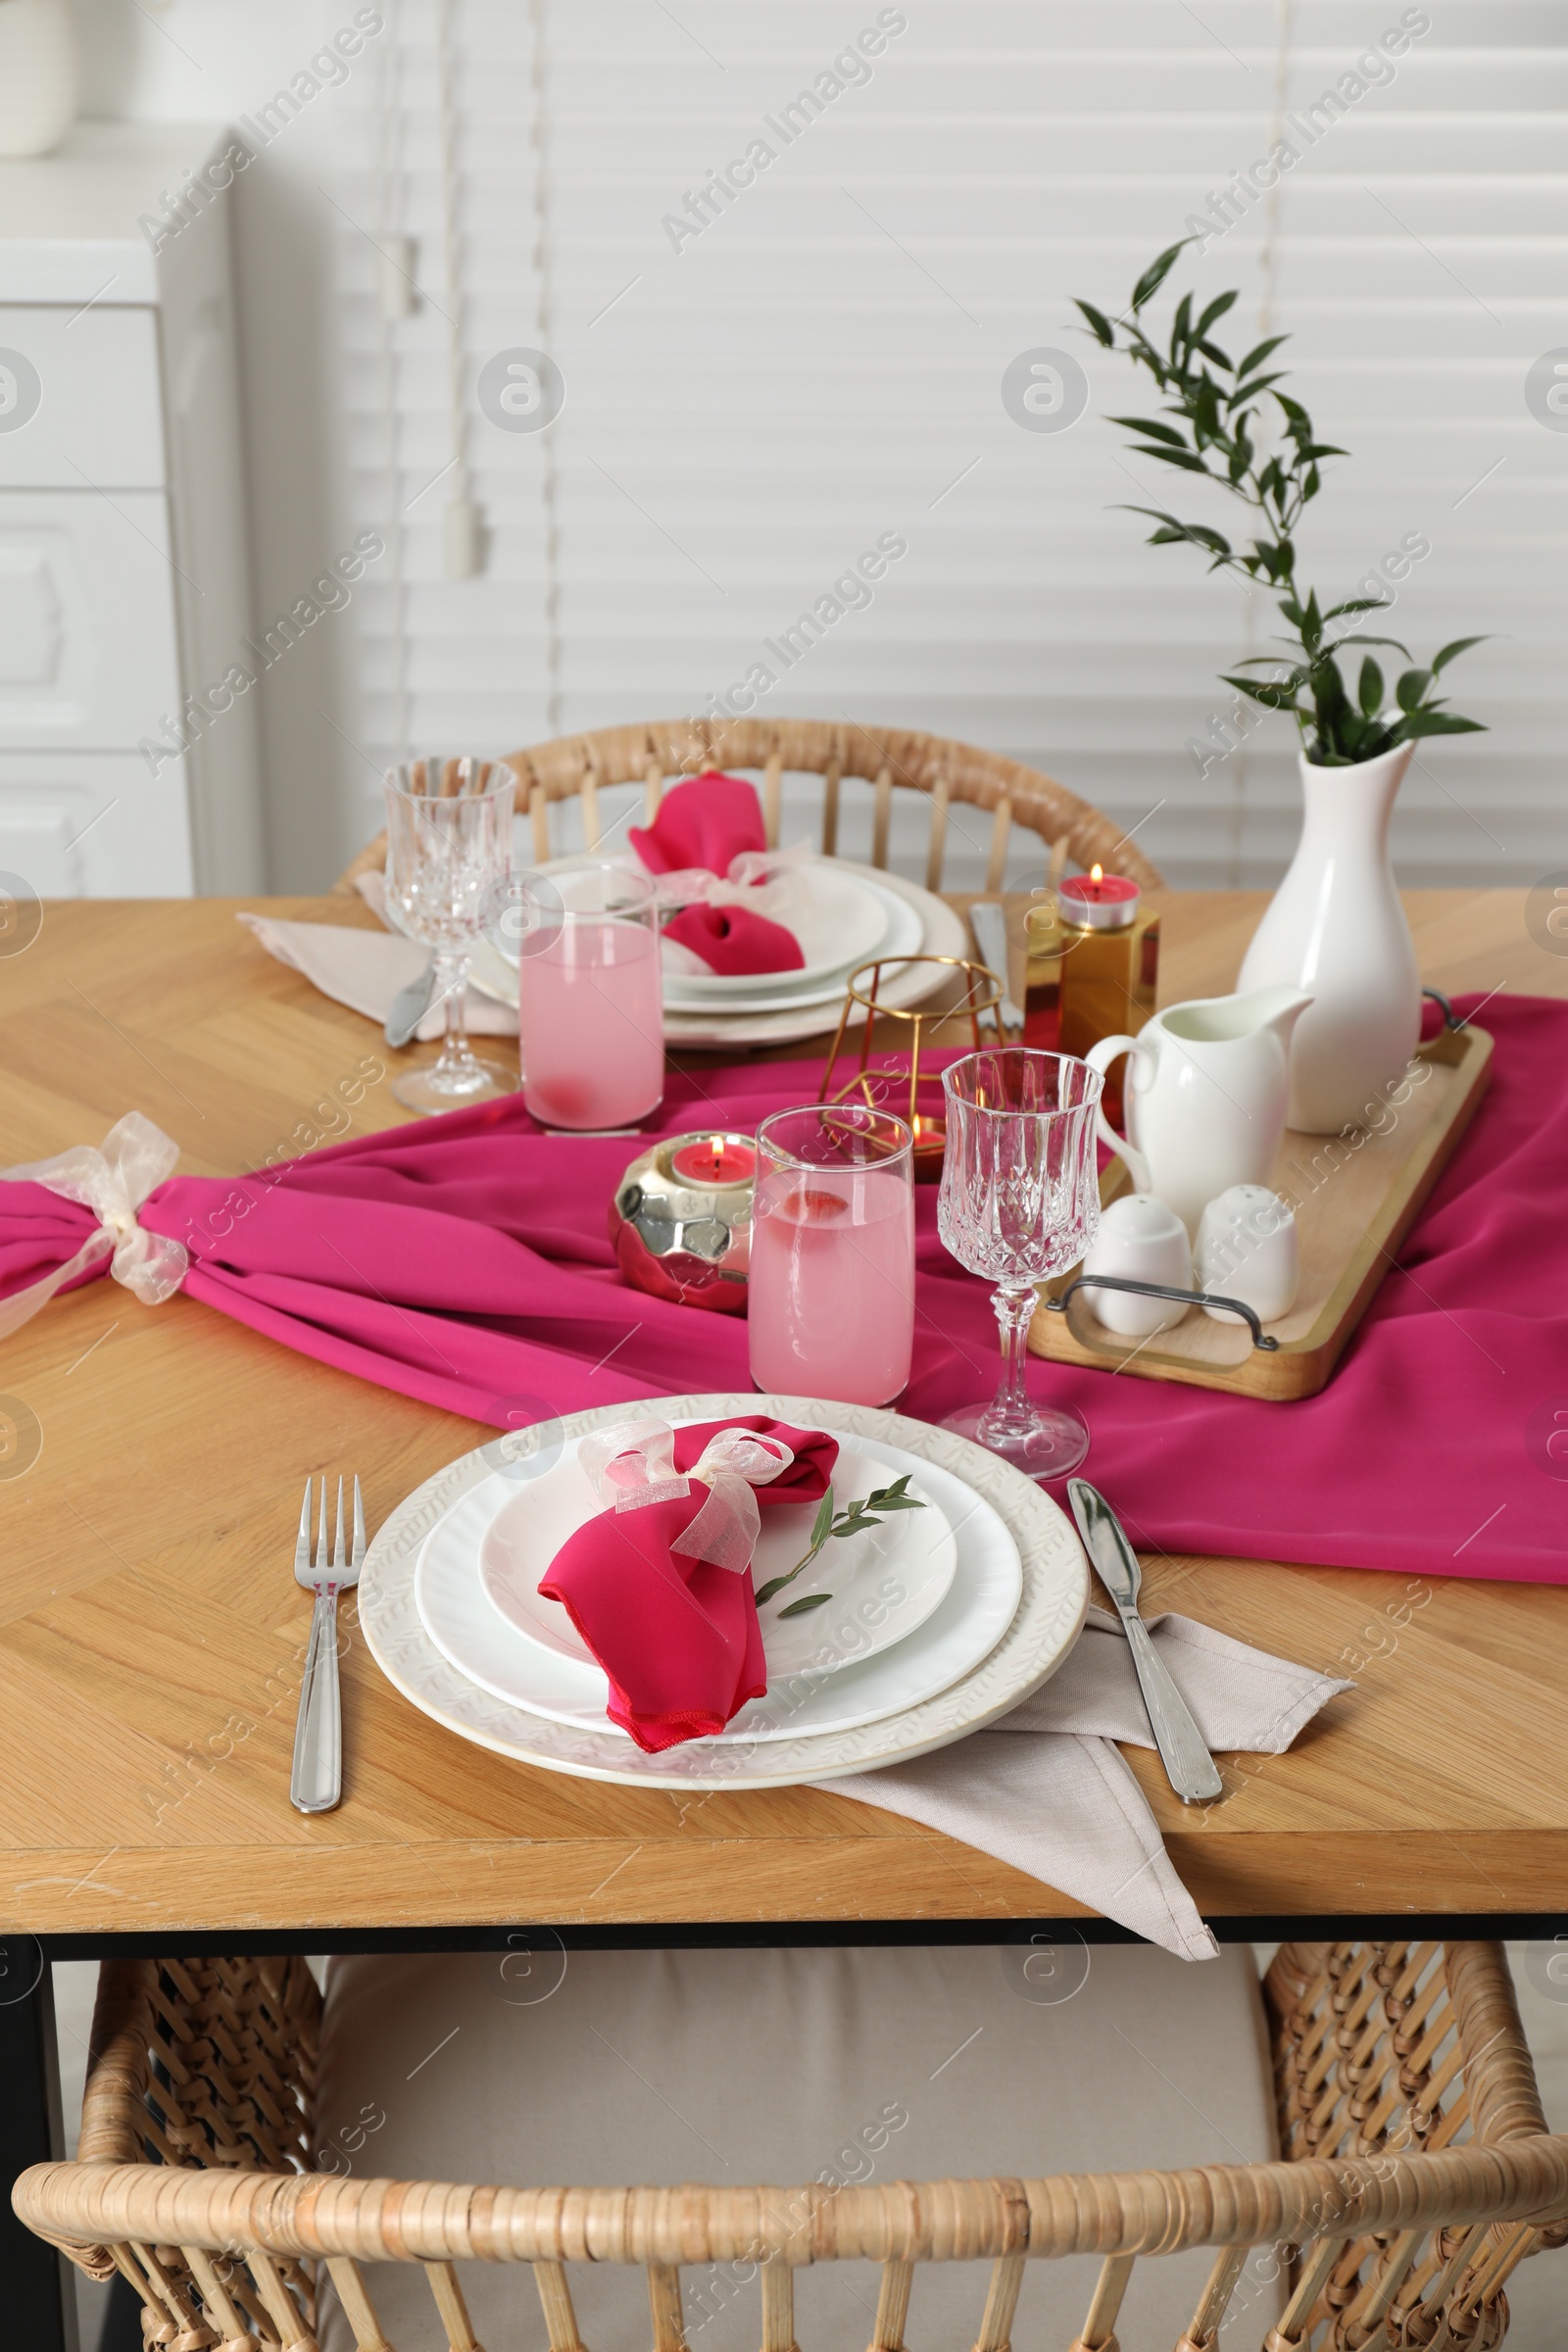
[152, 1632]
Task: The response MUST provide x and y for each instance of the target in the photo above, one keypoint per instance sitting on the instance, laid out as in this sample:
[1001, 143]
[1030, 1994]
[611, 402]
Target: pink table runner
[465, 1262]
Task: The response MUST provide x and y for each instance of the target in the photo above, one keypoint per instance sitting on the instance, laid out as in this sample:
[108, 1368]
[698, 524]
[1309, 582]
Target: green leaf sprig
[868, 1511]
[1214, 425]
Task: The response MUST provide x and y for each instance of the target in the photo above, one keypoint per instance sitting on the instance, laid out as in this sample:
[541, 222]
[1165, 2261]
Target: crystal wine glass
[448, 845]
[1019, 1203]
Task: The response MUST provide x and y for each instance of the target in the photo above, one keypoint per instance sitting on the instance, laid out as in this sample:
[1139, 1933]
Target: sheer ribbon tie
[135, 1159]
[633, 1464]
[771, 882]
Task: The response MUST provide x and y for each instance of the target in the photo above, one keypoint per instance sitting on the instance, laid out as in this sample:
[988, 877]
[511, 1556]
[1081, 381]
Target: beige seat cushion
[782, 2066]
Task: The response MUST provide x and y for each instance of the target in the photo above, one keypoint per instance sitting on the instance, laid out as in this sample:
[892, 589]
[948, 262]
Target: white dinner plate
[844, 921]
[880, 1585]
[942, 933]
[903, 933]
[972, 1615]
[875, 917]
[846, 914]
[1041, 1632]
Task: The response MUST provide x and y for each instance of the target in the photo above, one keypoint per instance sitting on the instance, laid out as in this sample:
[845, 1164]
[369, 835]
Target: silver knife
[410, 1006]
[988, 919]
[1187, 1761]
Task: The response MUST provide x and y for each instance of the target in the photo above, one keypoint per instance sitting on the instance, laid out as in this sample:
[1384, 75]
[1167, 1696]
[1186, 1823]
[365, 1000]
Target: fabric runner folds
[465, 1261]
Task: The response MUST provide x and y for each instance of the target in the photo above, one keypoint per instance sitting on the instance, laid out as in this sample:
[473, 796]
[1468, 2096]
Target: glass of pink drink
[590, 997]
[831, 1289]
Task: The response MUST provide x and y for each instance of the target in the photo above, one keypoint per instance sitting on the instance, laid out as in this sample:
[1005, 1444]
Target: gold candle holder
[1092, 972]
[982, 992]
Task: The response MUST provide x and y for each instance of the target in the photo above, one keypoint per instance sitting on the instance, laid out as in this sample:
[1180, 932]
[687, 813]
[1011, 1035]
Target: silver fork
[317, 1779]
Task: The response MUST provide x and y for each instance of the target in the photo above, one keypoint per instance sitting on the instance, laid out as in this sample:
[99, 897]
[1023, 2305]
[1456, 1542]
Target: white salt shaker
[1247, 1250]
[1139, 1240]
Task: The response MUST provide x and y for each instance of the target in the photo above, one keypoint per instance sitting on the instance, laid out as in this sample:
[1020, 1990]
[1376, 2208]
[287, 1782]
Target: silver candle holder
[680, 1222]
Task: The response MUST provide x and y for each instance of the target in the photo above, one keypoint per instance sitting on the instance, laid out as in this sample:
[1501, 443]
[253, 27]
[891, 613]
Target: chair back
[883, 759]
[1417, 2173]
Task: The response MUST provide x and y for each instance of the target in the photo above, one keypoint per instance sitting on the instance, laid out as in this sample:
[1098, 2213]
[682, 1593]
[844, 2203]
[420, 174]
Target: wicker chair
[889, 758]
[1418, 2173]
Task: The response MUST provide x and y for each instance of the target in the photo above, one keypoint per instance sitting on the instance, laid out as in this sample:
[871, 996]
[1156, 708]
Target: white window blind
[816, 363]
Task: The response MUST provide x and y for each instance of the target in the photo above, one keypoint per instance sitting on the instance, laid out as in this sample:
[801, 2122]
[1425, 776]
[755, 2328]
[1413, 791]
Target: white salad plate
[902, 934]
[845, 917]
[844, 921]
[1052, 1595]
[942, 933]
[877, 1586]
[837, 1692]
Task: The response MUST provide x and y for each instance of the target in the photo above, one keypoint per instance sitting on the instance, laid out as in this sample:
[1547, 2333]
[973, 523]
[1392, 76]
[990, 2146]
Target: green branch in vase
[829, 1524]
[1228, 421]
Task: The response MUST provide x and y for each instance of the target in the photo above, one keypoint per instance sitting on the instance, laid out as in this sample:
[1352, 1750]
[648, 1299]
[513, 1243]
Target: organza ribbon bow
[771, 882]
[135, 1159]
[633, 1464]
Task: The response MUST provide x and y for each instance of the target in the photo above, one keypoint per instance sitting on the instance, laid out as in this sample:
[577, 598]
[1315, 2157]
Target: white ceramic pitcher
[1207, 1088]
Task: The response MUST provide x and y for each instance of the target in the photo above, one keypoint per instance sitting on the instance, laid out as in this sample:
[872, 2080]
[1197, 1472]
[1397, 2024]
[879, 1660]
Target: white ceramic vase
[1336, 929]
[39, 75]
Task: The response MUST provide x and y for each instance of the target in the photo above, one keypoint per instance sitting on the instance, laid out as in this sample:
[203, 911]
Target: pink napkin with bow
[707, 823]
[659, 1584]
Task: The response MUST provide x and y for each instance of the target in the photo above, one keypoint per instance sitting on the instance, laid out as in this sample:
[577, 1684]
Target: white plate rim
[994, 1624]
[1045, 1625]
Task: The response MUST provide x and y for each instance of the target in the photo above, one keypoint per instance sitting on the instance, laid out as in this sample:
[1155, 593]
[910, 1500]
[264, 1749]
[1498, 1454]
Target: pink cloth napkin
[736, 940]
[710, 821]
[465, 1261]
[678, 1638]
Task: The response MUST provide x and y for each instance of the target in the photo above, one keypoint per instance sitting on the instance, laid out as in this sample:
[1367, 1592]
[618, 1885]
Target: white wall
[212, 60]
[810, 372]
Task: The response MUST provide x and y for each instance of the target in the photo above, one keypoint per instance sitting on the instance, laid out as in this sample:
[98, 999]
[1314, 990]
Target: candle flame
[718, 1141]
[1097, 873]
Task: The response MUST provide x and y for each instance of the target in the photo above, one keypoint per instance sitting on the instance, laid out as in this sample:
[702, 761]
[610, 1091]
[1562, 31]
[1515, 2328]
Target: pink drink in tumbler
[831, 1289]
[590, 1008]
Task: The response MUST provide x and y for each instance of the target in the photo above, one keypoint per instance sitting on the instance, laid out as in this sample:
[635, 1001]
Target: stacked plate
[939, 1620]
[854, 912]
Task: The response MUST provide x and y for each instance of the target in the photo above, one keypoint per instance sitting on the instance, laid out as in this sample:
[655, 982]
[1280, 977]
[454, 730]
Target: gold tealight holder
[982, 992]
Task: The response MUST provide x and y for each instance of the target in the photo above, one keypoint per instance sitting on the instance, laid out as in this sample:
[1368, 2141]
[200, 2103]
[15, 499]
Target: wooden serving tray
[1355, 1197]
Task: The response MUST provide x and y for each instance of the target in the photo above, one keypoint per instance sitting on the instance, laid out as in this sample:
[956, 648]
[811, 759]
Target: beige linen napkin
[365, 969]
[1045, 1788]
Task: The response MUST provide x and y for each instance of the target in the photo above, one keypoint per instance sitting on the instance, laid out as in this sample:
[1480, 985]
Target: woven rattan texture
[889, 758]
[1418, 2172]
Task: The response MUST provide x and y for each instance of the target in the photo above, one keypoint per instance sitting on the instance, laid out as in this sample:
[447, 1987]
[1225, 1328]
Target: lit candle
[714, 1159]
[1099, 902]
[930, 1147]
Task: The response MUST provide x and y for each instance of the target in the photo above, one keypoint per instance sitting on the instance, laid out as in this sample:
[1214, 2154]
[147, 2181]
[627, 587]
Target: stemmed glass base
[456, 1077]
[1050, 1445]
[1043, 1442]
[452, 1082]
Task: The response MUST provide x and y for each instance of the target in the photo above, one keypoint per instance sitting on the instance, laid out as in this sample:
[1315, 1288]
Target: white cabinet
[123, 568]
[88, 642]
[93, 826]
[99, 418]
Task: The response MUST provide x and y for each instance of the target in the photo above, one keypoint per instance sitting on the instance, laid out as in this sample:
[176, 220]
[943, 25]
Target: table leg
[40, 2304]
